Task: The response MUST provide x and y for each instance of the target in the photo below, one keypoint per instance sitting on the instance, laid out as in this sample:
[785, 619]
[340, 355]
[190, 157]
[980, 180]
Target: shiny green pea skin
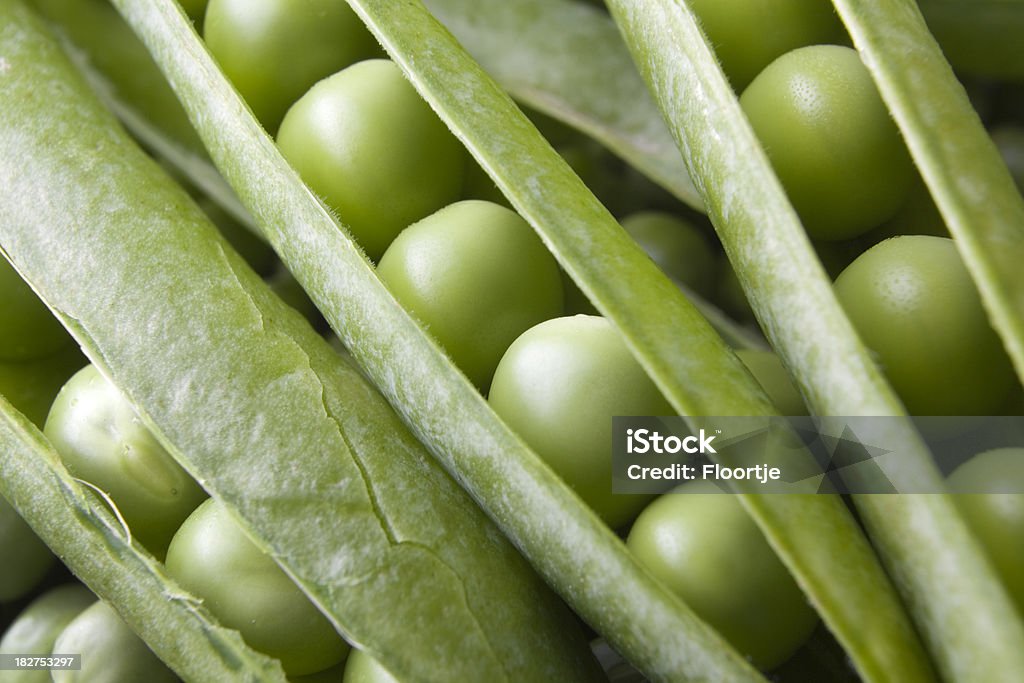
[767, 369]
[246, 590]
[748, 35]
[558, 386]
[915, 306]
[996, 519]
[275, 50]
[26, 558]
[477, 276]
[36, 628]
[705, 547]
[830, 140]
[27, 328]
[32, 385]
[362, 668]
[676, 246]
[101, 440]
[111, 651]
[371, 148]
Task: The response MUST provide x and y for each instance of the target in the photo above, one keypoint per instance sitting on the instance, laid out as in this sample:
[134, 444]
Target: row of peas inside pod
[481, 282]
[474, 273]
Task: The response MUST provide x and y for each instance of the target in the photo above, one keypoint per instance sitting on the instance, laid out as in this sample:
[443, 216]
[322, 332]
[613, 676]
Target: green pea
[36, 628]
[988, 487]
[275, 50]
[102, 440]
[111, 652]
[27, 328]
[676, 246]
[705, 547]
[477, 276]
[26, 558]
[915, 306]
[366, 142]
[246, 590]
[748, 35]
[558, 386]
[830, 139]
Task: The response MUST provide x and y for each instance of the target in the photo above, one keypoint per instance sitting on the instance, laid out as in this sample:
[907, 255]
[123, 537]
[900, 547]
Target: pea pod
[116, 64]
[124, 76]
[542, 52]
[936, 564]
[815, 533]
[253, 403]
[79, 526]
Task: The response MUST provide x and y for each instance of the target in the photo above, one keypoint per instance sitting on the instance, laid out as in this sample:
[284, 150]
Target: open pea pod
[579, 557]
[309, 458]
[78, 527]
[958, 160]
[564, 540]
[124, 76]
[957, 602]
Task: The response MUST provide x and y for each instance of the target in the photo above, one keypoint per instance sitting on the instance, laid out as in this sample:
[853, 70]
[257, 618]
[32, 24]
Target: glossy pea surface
[558, 386]
[111, 651]
[102, 440]
[365, 141]
[246, 590]
[477, 276]
[913, 303]
[706, 548]
[830, 140]
[987, 490]
[275, 50]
